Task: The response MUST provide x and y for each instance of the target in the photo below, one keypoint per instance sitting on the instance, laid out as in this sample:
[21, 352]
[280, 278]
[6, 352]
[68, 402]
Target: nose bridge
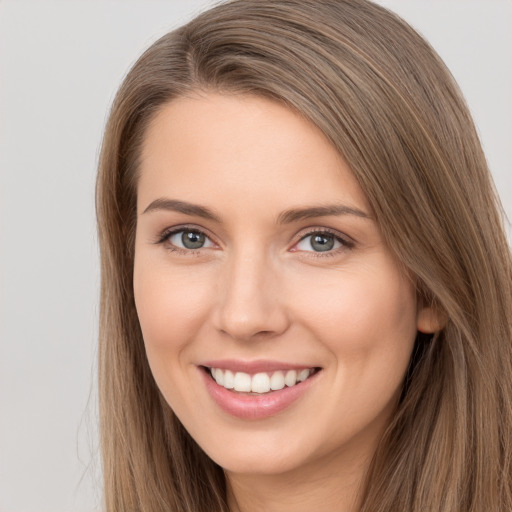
[249, 300]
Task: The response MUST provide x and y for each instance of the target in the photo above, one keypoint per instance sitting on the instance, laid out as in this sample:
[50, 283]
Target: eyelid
[346, 241]
[165, 235]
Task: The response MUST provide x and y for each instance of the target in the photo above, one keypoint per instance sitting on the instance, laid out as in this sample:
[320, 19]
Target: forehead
[240, 149]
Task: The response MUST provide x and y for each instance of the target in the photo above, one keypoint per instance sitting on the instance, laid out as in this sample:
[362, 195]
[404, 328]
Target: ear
[430, 319]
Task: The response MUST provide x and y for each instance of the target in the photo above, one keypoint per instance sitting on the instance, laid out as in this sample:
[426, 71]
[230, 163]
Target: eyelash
[168, 233]
[346, 243]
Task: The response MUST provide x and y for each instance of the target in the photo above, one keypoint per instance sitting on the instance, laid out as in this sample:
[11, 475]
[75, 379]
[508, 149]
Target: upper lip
[256, 366]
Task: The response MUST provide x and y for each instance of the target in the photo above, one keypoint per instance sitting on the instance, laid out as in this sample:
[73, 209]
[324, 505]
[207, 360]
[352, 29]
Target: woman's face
[258, 261]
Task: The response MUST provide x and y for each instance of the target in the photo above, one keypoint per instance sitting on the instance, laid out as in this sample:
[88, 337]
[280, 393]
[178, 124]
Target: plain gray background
[60, 64]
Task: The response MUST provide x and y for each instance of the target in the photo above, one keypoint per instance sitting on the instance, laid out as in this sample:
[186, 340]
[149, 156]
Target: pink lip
[253, 367]
[255, 407]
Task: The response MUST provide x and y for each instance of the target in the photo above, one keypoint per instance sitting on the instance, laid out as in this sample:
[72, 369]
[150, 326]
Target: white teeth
[291, 378]
[219, 377]
[242, 382]
[277, 381]
[260, 382]
[229, 379]
[303, 375]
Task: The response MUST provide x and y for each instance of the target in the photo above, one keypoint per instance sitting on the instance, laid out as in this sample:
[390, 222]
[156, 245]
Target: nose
[251, 299]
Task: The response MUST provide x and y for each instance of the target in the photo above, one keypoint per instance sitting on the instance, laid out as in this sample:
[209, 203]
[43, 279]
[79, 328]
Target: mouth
[260, 383]
[257, 390]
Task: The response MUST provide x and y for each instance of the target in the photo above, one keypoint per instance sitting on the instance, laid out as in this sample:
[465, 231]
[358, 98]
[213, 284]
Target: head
[383, 101]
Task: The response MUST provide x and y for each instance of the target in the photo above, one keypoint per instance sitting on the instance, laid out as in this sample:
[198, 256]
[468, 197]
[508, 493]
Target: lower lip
[255, 407]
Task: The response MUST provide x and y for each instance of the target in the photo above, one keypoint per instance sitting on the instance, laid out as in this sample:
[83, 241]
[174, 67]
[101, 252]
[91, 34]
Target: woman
[306, 287]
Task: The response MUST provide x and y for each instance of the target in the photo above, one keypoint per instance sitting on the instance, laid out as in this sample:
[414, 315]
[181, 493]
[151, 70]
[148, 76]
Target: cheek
[368, 324]
[367, 320]
[171, 307]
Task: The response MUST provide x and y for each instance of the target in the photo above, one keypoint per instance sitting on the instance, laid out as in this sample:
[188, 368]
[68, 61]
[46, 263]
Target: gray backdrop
[60, 64]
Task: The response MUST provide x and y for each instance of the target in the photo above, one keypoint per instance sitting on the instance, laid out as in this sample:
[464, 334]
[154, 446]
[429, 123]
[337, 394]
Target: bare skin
[255, 243]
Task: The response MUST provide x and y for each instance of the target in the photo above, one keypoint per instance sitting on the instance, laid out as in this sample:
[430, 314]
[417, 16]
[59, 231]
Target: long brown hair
[388, 104]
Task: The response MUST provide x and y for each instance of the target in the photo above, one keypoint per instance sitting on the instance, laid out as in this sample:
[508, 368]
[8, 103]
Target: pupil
[322, 242]
[192, 240]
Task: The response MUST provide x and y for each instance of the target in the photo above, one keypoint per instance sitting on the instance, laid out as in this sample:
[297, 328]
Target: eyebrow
[174, 205]
[297, 214]
[286, 217]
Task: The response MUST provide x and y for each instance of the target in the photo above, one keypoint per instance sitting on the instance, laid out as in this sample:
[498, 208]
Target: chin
[266, 457]
[258, 465]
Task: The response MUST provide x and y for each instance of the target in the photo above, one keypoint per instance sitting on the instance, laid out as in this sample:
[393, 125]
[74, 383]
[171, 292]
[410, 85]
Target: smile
[263, 390]
[259, 383]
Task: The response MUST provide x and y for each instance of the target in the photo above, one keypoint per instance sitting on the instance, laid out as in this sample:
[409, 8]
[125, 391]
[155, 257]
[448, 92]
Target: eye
[187, 239]
[321, 241]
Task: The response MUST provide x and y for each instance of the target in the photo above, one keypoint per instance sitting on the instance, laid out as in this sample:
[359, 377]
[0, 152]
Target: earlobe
[430, 320]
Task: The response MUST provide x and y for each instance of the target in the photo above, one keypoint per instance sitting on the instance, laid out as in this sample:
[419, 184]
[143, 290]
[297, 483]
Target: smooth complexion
[256, 250]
